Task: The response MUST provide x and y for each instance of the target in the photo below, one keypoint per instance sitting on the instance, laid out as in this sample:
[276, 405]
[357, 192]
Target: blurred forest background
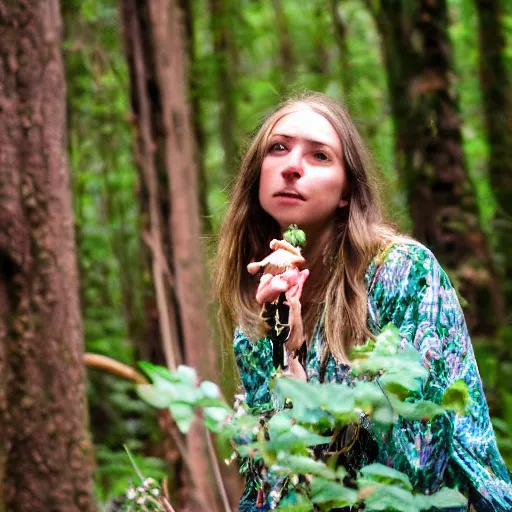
[160, 100]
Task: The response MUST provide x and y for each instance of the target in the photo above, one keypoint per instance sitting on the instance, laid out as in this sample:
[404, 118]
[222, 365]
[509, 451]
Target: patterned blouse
[407, 287]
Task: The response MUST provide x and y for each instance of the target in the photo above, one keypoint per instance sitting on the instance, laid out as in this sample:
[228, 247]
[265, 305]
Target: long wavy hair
[360, 232]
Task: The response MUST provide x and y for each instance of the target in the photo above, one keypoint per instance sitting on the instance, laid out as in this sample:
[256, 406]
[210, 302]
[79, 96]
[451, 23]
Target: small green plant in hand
[295, 236]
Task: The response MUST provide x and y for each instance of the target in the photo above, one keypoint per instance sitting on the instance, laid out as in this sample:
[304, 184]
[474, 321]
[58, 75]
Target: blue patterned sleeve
[256, 368]
[412, 291]
[254, 361]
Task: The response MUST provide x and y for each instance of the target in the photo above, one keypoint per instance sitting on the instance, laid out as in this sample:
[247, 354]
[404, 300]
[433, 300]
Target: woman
[308, 165]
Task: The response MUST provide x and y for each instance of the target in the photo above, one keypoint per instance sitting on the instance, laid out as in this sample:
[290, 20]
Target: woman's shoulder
[405, 264]
[404, 251]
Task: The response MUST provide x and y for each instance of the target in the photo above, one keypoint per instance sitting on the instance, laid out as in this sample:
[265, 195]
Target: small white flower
[148, 482]
[141, 500]
[131, 493]
[295, 479]
[155, 492]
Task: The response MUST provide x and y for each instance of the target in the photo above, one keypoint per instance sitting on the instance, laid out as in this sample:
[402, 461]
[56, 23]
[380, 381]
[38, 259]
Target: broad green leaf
[386, 475]
[183, 415]
[156, 372]
[187, 374]
[388, 341]
[209, 389]
[421, 410]
[214, 416]
[298, 503]
[456, 397]
[327, 492]
[303, 465]
[390, 498]
[154, 396]
[444, 498]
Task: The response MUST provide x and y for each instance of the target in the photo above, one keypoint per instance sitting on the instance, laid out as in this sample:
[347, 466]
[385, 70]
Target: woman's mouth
[289, 194]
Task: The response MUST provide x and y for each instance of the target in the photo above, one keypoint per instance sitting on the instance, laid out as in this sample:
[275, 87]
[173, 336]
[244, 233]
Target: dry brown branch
[115, 367]
[216, 472]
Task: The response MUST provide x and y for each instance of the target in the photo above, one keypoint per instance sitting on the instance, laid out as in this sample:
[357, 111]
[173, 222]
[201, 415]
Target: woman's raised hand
[283, 275]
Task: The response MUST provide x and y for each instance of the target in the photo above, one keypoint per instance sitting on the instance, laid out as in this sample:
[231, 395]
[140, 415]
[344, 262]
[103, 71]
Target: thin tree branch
[216, 472]
[115, 367]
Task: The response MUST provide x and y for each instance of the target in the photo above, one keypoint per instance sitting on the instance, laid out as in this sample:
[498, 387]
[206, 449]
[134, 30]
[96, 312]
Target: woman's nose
[294, 165]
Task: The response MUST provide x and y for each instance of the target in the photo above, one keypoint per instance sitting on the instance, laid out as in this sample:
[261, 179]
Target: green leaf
[304, 465]
[209, 389]
[183, 415]
[187, 375]
[387, 343]
[420, 410]
[154, 396]
[295, 440]
[298, 503]
[327, 492]
[156, 372]
[214, 416]
[456, 397]
[444, 498]
[390, 498]
[385, 475]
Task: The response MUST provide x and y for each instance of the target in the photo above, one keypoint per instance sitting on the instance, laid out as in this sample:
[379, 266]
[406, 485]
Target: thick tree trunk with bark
[45, 452]
[157, 54]
[429, 151]
[496, 84]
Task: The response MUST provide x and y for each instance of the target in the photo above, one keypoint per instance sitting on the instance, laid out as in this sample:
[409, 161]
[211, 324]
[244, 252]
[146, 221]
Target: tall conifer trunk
[429, 153]
[496, 84]
[45, 452]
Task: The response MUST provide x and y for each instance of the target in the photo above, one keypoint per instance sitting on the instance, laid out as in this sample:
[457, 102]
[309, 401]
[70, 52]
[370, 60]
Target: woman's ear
[342, 203]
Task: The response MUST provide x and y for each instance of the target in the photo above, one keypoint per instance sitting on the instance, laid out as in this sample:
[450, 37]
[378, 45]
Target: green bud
[295, 236]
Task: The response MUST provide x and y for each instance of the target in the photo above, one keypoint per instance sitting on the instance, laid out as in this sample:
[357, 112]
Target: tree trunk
[496, 85]
[166, 148]
[45, 452]
[225, 77]
[341, 36]
[286, 55]
[429, 152]
[197, 113]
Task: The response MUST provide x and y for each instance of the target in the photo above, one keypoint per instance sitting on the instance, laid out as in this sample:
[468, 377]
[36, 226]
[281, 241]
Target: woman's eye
[321, 156]
[274, 148]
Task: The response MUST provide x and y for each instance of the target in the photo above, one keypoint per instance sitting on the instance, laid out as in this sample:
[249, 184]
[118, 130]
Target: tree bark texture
[496, 84]
[45, 452]
[286, 54]
[429, 153]
[341, 38]
[224, 51]
[157, 55]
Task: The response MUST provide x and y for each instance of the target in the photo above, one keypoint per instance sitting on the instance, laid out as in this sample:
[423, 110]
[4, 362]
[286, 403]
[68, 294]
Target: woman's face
[303, 179]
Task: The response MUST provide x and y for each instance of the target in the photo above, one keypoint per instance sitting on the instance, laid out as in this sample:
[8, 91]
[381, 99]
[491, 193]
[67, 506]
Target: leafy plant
[387, 381]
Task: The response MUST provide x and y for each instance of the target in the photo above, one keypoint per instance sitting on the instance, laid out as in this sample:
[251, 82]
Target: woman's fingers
[276, 262]
[295, 370]
[270, 286]
[295, 291]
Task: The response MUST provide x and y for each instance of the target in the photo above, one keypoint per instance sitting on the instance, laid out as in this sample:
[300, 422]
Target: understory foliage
[282, 441]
